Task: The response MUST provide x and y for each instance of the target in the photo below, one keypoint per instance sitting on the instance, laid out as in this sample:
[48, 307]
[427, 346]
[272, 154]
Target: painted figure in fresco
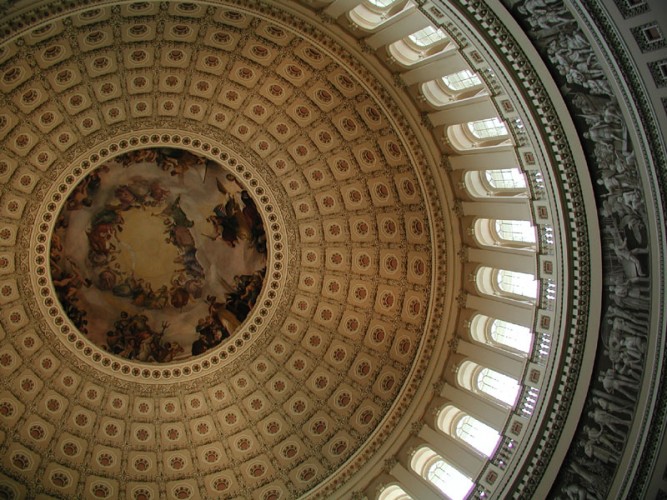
[178, 295]
[227, 222]
[169, 351]
[157, 193]
[133, 338]
[127, 198]
[236, 217]
[177, 161]
[100, 236]
[242, 299]
[211, 333]
[178, 235]
[67, 282]
[188, 284]
[139, 156]
[220, 313]
[176, 214]
[104, 228]
[83, 194]
[56, 253]
[254, 220]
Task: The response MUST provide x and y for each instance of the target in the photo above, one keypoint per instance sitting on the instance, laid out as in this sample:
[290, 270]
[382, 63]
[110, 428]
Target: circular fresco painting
[158, 255]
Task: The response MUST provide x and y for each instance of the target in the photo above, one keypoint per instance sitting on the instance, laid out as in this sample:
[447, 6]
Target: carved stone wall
[631, 308]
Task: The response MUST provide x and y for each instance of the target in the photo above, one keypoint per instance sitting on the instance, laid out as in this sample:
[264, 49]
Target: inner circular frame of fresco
[158, 255]
[234, 175]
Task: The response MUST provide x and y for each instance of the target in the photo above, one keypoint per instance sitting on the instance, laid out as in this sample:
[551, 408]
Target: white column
[410, 23]
[484, 411]
[489, 358]
[453, 451]
[447, 62]
[493, 160]
[504, 260]
[413, 484]
[466, 110]
[497, 210]
[519, 313]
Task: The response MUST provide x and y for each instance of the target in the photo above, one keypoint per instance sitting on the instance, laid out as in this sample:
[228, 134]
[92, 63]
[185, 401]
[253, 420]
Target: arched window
[382, 3]
[427, 37]
[516, 283]
[490, 133]
[497, 385]
[460, 425]
[504, 183]
[370, 15]
[449, 480]
[461, 80]
[487, 129]
[515, 336]
[485, 381]
[505, 233]
[508, 284]
[394, 492]
[515, 230]
[487, 330]
[505, 178]
[417, 47]
[450, 88]
[477, 434]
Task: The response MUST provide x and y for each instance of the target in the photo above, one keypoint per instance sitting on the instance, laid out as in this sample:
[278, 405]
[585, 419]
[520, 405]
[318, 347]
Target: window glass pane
[449, 480]
[506, 178]
[381, 3]
[515, 230]
[462, 80]
[478, 435]
[517, 283]
[497, 385]
[426, 36]
[484, 129]
[511, 335]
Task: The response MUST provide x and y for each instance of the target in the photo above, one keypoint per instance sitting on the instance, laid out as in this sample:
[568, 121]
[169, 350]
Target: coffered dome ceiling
[148, 133]
[234, 256]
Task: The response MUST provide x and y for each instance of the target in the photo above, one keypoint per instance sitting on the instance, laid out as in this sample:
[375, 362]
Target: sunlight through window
[497, 385]
[511, 335]
[462, 80]
[489, 128]
[506, 178]
[515, 230]
[478, 435]
[449, 480]
[381, 3]
[427, 36]
[517, 283]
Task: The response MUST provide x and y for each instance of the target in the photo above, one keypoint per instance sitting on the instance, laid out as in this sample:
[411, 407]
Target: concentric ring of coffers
[348, 195]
